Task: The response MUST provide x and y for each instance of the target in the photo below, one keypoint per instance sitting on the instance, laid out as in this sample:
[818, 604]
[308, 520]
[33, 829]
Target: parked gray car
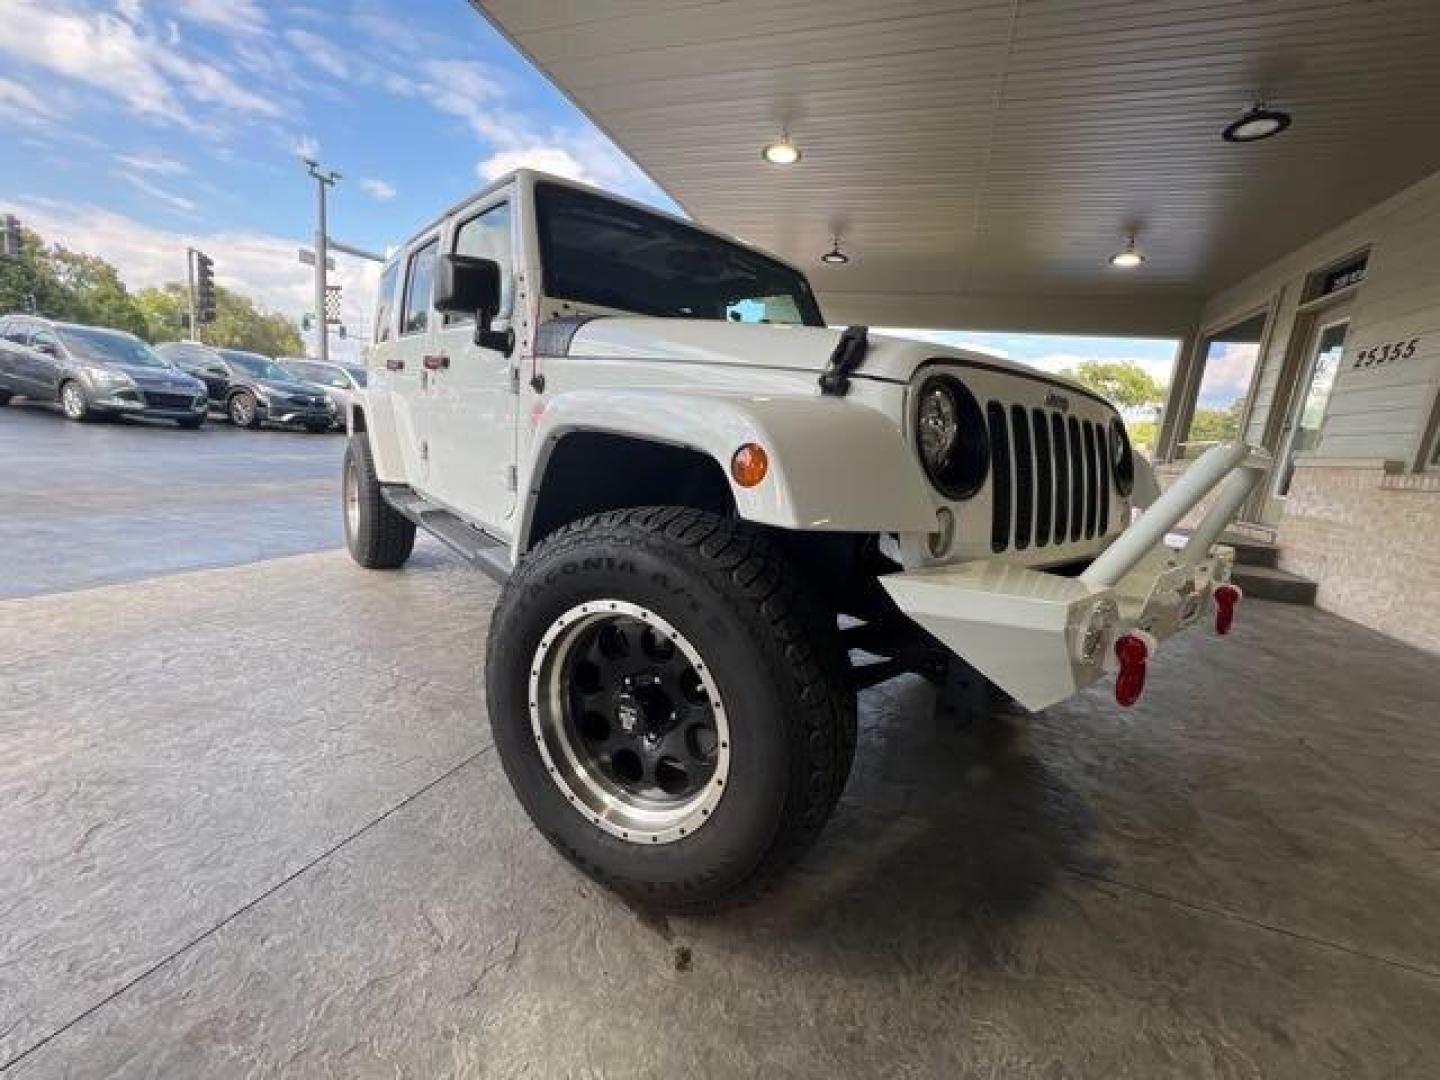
[92, 371]
[252, 389]
[341, 382]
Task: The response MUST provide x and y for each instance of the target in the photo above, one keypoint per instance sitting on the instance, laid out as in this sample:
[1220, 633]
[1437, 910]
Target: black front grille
[157, 400]
[1050, 478]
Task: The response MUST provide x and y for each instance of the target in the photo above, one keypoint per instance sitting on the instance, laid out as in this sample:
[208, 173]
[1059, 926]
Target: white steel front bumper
[1041, 637]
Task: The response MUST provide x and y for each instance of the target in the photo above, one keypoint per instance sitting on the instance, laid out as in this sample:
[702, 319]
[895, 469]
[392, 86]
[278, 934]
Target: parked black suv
[251, 389]
[93, 372]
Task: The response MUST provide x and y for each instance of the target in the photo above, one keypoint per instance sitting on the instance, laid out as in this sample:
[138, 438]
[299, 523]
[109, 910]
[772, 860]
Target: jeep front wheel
[670, 704]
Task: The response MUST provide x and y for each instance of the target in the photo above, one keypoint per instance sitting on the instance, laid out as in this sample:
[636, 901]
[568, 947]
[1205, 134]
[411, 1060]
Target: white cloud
[130, 10]
[315, 50]
[232, 16]
[112, 55]
[551, 159]
[261, 266]
[379, 189]
[22, 105]
[157, 193]
[305, 146]
[153, 163]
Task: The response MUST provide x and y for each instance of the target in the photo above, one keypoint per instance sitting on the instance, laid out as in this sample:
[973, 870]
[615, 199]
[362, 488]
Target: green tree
[239, 323]
[1123, 382]
[165, 312]
[1215, 425]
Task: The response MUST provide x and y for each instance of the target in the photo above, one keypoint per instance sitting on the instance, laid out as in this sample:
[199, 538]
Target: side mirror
[47, 347]
[468, 285]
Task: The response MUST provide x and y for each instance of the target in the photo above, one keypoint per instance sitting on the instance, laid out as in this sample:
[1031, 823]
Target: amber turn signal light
[749, 465]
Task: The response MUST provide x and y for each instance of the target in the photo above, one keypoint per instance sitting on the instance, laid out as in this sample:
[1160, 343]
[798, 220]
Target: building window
[1221, 386]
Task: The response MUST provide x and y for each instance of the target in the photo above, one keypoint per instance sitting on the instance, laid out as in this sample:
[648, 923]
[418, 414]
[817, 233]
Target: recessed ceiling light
[781, 152]
[1257, 123]
[1128, 257]
[835, 257]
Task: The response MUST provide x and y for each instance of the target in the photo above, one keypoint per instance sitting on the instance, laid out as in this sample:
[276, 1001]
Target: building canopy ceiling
[981, 159]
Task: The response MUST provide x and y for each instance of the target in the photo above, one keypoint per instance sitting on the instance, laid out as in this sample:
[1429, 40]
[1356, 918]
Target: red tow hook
[1226, 597]
[1132, 649]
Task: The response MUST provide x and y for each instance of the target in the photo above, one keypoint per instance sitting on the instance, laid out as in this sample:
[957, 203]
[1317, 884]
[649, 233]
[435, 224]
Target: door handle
[436, 362]
[394, 365]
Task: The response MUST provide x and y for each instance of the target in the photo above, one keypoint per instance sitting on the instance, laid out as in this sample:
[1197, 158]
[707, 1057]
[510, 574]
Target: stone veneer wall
[1371, 538]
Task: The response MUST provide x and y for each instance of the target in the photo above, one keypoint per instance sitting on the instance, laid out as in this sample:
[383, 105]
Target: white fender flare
[835, 465]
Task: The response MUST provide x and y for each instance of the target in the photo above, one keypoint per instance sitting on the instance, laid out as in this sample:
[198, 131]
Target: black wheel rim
[630, 722]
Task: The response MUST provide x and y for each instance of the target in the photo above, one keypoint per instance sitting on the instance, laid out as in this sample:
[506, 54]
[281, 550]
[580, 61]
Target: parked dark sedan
[93, 372]
[251, 389]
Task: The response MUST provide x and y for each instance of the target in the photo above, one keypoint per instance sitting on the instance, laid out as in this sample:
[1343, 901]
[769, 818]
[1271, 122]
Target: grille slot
[1102, 454]
[1091, 496]
[1024, 477]
[1077, 481]
[1044, 477]
[1000, 475]
[1062, 476]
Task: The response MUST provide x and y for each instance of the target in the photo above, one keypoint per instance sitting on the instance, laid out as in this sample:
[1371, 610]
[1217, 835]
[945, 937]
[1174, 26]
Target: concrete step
[1249, 550]
[1269, 583]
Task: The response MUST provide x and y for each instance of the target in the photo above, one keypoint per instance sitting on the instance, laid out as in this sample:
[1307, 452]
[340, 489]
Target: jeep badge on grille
[1057, 401]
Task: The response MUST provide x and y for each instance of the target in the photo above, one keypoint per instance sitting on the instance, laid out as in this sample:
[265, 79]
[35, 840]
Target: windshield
[262, 367]
[596, 251]
[108, 347]
[181, 353]
[356, 373]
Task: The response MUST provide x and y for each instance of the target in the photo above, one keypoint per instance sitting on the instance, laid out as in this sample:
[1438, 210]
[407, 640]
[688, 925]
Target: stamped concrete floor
[251, 825]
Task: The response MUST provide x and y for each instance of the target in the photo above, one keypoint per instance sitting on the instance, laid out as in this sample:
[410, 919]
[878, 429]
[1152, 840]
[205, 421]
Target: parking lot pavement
[266, 838]
[87, 504]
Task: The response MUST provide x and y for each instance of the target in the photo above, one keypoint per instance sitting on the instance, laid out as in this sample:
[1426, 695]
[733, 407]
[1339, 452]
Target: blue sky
[136, 128]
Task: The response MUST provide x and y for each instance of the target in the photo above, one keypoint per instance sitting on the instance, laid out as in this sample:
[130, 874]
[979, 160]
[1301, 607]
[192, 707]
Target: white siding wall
[1377, 412]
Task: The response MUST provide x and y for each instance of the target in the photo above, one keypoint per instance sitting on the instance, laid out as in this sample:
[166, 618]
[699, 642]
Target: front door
[1301, 432]
[470, 400]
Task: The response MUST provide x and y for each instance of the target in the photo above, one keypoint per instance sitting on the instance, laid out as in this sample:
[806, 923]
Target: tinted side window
[17, 332]
[385, 302]
[419, 287]
[44, 337]
[487, 236]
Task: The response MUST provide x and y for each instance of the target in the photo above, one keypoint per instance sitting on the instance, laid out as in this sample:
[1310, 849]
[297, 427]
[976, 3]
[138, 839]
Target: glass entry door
[1312, 395]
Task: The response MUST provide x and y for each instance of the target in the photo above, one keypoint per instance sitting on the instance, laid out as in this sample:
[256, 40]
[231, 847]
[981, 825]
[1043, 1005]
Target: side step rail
[474, 545]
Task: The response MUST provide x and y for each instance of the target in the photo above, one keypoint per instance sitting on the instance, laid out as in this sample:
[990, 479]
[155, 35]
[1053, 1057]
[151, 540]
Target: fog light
[749, 465]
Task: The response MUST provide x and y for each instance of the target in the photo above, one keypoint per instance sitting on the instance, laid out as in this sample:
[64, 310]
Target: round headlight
[1122, 458]
[953, 441]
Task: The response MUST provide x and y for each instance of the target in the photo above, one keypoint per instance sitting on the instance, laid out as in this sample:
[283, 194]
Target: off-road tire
[774, 653]
[4, 398]
[379, 537]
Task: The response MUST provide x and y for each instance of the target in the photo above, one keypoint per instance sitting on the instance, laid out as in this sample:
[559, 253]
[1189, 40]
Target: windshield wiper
[849, 354]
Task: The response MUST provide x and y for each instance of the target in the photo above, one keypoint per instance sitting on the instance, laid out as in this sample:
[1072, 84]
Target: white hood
[787, 348]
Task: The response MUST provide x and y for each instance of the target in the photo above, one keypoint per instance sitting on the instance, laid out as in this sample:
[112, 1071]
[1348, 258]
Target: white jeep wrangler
[702, 500]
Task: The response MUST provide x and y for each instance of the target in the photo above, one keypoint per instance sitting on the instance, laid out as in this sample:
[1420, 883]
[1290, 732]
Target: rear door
[469, 398]
[404, 366]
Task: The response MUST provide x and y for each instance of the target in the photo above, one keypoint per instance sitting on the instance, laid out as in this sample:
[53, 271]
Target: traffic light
[204, 287]
[10, 236]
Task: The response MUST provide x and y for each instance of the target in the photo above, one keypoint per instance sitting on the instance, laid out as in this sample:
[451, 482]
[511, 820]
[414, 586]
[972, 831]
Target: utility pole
[323, 179]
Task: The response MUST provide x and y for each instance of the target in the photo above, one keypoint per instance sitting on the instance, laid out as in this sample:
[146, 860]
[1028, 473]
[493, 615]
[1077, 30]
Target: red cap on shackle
[1132, 648]
[1226, 597]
